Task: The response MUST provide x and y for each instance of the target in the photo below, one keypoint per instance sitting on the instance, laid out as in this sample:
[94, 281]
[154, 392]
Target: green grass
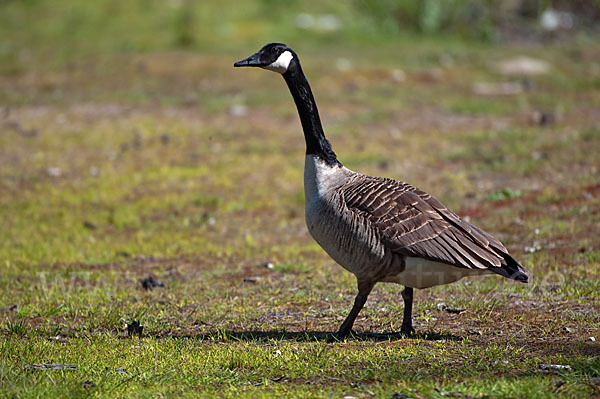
[122, 158]
[194, 367]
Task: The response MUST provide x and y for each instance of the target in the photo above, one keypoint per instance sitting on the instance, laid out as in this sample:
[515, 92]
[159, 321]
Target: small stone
[568, 329]
[94, 171]
[343, 64]
[442, 306]
[238, 110]
[120, 370]
[564, 367]
[89, 225]
[54, 171]
[51, 366]
[497, 89]
[536, 246]
[134, 328]
[591, 339]
[11, 308]
[524, 66]
[165, 138]
[398, 75]
[552, 20]
[149, 283]
[542, 118]
[87, 384]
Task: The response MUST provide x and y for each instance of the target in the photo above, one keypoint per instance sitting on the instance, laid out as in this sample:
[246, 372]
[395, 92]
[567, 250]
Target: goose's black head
[276, 57]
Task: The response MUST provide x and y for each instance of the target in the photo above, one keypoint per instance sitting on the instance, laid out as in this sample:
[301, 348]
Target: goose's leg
[364, 289]
[407, 328]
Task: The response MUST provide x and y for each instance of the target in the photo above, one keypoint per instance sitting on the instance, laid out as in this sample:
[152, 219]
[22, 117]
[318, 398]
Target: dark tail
[512, 270]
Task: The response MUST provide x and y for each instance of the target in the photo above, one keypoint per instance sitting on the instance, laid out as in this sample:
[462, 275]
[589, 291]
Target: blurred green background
[53, 32]
[91, 44]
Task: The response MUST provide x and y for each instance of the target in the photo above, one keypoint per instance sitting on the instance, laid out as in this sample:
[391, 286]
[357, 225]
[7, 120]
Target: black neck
[316, 143]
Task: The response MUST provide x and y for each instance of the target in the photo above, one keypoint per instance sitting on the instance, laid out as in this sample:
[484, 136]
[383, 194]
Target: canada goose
[380, 229]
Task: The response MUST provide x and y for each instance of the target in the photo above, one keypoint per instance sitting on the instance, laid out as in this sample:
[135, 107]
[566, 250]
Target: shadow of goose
[316, 336]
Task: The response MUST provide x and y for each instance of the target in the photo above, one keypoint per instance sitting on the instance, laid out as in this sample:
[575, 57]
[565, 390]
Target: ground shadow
[308, 336]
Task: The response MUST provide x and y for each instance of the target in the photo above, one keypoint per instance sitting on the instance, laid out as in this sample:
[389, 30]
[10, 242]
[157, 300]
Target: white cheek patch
[281, 64]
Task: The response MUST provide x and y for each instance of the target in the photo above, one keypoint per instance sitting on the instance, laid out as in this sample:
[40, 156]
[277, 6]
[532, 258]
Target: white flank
[423, 273]
[281, 64]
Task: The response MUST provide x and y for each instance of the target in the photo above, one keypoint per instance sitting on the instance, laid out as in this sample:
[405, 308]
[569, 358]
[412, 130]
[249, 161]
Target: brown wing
[413, 223]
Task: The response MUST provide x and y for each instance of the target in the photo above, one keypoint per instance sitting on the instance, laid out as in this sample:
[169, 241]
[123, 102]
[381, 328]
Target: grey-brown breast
[411, 222]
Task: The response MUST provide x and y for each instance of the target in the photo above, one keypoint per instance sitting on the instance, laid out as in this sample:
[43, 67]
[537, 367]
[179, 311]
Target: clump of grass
[184, 22]
[15, 327]
[503, 194]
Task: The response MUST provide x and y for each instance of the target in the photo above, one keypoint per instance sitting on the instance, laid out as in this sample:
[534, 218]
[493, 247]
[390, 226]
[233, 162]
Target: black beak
[251, 61]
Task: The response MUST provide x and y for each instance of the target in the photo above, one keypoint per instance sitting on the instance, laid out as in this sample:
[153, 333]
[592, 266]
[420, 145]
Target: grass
[123, 162]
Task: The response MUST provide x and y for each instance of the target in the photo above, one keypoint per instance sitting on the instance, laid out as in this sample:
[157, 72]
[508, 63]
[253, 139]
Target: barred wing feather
[412, 223]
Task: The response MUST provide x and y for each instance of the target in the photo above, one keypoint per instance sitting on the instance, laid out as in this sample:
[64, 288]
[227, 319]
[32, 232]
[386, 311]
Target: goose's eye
[274, 50]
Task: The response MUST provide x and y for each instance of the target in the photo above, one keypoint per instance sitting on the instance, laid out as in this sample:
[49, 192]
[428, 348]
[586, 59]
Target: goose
[380, 229]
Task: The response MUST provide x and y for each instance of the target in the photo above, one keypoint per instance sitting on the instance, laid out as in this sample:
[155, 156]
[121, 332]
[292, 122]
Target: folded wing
[413, 223]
